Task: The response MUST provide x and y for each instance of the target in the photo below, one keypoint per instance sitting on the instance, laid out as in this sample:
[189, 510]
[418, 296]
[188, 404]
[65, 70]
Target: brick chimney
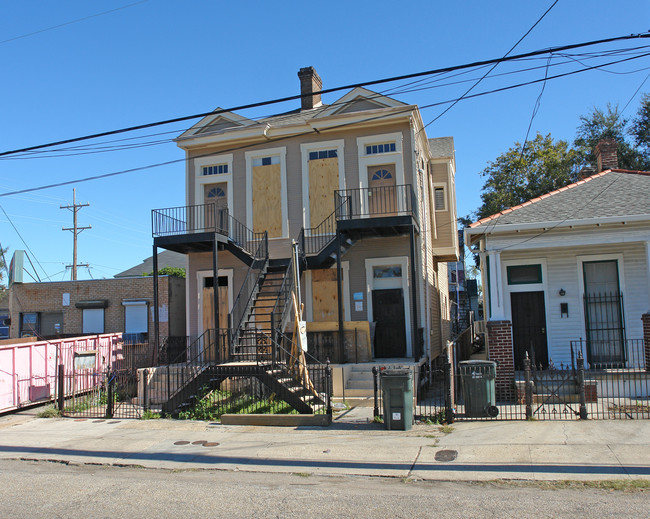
[310, 82]
[606, 155]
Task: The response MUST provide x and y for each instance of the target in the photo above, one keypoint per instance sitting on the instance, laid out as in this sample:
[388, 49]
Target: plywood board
[324, 295]
[208, 306]
[323, 181]
[267, 200]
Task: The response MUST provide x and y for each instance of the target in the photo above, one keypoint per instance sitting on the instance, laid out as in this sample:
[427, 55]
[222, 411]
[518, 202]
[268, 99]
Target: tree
[179, 272]
[606, 124]
[516, 176]
[640, 130]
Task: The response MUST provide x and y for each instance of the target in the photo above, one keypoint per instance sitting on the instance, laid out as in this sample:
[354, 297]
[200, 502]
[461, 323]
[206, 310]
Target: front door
[390, 331]
[215, 197]
[529, 327]
[381, 190]
[211, 350]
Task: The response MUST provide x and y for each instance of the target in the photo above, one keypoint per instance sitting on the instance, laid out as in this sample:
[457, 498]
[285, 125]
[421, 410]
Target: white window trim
[403, 262]
[393, 157]
[250, 155]
[201, 180]
[316, 146]
[347, 316]
[581, 284]
[200, 278]
[528, 287]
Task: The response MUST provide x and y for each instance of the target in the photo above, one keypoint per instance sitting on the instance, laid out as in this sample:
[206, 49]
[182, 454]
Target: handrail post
[375, 376]
[528, 388]
[328, 379]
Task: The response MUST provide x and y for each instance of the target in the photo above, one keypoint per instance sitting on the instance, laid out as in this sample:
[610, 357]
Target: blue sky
[159, 59]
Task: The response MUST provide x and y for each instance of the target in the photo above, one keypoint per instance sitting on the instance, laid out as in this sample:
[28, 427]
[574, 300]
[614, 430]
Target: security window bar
[220, 169]
[386, 147]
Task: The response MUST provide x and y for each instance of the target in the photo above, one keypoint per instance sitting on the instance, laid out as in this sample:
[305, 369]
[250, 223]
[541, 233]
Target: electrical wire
[325, 91]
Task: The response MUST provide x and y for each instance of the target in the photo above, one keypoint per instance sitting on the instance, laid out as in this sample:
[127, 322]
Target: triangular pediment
[217, 122]
[360, 100]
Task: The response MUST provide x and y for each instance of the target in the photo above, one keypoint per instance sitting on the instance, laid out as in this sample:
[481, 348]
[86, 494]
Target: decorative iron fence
[377, 202]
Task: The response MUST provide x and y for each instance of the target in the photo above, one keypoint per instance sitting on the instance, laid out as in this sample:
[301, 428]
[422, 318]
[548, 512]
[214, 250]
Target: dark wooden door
[381, 190]
[390, 331]
[529, 327]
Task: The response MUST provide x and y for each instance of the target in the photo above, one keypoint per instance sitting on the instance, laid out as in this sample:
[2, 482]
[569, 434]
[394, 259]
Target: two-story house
[369, 201]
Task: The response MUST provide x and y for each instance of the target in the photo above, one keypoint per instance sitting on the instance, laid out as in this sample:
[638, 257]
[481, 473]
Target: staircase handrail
[325, 232]
[249, 287]
[280, 312]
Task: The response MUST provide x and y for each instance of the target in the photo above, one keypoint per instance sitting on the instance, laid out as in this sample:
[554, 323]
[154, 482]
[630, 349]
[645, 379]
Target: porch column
[497, 311]
[647, 262]
[414, 297]
[499, 336]
[156, 315]
[339, 292]
[215, 280]
[646, 339]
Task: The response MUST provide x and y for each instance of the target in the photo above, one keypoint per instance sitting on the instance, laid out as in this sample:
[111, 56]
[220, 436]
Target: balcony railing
[204, 218]
[371, 202]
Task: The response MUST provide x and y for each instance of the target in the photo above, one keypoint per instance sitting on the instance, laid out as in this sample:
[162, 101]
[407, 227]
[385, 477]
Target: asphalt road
[52, 490]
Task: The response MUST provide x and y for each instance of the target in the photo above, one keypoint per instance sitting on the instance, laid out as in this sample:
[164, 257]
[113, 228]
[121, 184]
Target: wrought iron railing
[314, 239]
[249, 288]
[377, 202]
[190, 219]
[605, 329]
[282, 307]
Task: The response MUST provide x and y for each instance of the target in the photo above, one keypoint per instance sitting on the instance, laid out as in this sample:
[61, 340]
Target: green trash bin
[478, 380]
[397, 397]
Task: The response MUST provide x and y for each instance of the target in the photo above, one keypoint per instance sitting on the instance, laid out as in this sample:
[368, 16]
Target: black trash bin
[478, 379]
[397, 397]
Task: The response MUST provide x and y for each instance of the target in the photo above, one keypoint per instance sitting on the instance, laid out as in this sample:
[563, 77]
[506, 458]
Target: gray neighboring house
[166, 258]
[571, 265]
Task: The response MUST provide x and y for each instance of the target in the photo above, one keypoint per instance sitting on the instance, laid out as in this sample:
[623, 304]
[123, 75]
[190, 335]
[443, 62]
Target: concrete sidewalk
[353, 445]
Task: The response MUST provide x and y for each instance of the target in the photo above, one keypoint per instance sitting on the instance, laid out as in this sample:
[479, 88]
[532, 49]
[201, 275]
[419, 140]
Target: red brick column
[499, 336]
[646, 339]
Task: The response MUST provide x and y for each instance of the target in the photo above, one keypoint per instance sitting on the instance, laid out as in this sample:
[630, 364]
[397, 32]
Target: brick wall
[499, 336]
[646, 339]
[48, 297]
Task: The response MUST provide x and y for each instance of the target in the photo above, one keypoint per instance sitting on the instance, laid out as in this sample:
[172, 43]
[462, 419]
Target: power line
[321, 131]
[71, 22]
[326, 91]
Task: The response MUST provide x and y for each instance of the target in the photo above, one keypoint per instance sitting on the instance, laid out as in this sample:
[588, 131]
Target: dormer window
[220, 169]
[386, 147]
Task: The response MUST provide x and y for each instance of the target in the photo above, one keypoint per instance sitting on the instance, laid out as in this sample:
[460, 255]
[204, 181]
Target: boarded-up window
[323, 181]
[267, 196]
[324, 294]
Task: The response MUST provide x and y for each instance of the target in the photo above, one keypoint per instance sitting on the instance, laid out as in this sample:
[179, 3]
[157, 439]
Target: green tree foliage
[179, 272]
[640, 130]
[515, 177]
[606, 124]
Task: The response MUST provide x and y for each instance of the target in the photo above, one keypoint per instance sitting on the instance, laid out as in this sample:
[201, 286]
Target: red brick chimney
[310, 82]
[606, 155]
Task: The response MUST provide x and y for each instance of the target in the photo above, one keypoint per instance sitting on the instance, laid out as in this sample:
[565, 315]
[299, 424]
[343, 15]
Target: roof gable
[360, 99]
[216, 122]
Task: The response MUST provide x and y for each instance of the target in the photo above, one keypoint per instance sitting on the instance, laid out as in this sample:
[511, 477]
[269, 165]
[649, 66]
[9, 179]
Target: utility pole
[75, 229]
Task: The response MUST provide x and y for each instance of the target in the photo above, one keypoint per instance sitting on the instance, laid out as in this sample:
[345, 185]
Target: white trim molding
[250, 156]
[403, 262]
[305, 148]
[200, 180]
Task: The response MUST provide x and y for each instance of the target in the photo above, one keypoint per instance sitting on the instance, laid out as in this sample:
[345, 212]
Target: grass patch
[610, 485]
[377, 419]
[446, 429]
[148, 414]
[49, 412]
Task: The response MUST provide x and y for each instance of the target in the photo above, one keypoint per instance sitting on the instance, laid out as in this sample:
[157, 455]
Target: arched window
[216, 192]
[381, 174]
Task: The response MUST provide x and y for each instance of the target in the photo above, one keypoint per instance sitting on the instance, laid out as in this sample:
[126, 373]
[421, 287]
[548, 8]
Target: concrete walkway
[353, 445]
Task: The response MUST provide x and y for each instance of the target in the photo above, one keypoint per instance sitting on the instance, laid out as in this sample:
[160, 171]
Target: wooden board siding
[323, 181]
[208, 306]
[324, 295]
[267, 200]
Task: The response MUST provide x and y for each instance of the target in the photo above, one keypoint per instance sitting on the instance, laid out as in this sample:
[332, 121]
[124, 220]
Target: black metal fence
[447, 390]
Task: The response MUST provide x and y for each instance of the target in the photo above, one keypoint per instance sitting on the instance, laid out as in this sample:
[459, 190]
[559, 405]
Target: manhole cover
[181, 442]
[80, 420]
[199, 442]
[114, 421]
[446, 455]
[98, 421]
[210, 444]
